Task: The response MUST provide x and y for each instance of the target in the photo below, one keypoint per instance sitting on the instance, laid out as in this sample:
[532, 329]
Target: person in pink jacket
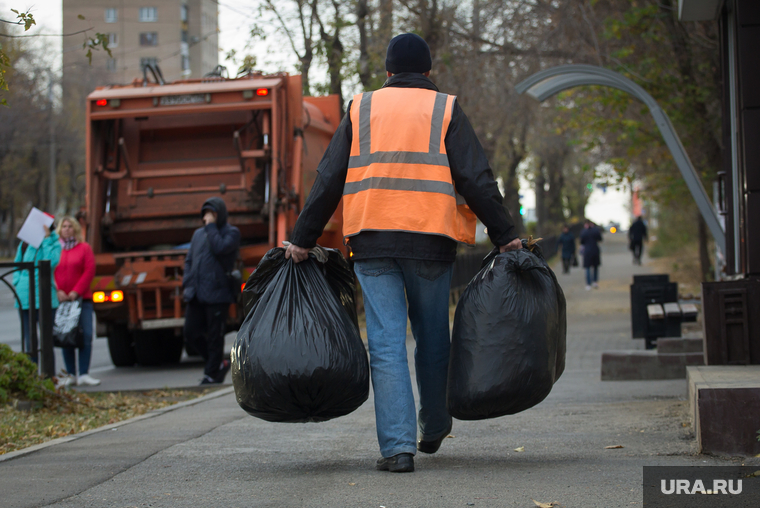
[73, 277]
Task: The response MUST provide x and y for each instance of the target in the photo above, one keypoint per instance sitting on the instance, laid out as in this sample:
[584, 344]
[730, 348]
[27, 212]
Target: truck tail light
[262, 92]
[114, 103]
[101, 296]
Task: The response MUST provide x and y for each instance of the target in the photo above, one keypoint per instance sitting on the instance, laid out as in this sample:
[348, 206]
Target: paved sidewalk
[209, 453]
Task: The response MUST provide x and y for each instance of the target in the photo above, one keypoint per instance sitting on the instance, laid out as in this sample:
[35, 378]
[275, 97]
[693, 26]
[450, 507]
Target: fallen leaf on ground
[450, 436]
[546, 505]
[521, 449]
[352, 484]
[610, 447]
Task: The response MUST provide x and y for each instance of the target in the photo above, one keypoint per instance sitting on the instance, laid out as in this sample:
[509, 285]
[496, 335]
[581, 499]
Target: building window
[148, 14]
[112, 15]
[183, 13]
[111, 65]
[151, 60]
[149, 39]
[113, 40]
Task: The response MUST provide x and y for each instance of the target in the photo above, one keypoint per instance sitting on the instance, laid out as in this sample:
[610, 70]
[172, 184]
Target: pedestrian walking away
[49, 250]
[208, 288]
[413, 177]
[637, 233]
[567, 241]
[590, 239]
[73, 277]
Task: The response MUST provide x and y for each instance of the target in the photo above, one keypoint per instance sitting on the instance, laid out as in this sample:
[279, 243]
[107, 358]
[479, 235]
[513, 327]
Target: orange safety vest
[399, 177]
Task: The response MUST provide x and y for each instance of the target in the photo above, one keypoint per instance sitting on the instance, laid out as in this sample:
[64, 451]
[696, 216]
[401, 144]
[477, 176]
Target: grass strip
[76, 412]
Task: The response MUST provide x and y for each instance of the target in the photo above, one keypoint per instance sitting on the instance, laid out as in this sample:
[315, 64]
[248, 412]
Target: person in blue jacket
[49, 250]
[567, 241]
[590, 239]
[207, 288]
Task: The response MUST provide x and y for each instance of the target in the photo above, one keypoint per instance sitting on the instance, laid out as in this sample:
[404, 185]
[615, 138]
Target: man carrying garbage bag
[411, 172]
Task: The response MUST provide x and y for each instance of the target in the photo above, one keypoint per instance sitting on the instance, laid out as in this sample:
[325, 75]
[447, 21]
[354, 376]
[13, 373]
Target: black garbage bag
[509, 338]
[298, 356]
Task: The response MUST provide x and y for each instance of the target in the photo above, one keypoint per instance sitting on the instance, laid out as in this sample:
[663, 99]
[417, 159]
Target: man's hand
[62, 296]
[297, 253]
[73, 295]
[513, 245]
[209, 218]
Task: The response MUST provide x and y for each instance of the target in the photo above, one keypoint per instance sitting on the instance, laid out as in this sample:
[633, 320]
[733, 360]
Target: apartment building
[181, 36]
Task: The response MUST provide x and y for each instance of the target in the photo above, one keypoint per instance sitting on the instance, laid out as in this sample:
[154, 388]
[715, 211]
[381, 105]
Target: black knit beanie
[408, 53]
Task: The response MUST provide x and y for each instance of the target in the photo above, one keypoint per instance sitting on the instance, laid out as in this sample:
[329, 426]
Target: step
[679, 345]
[725, 408]
[637, 365]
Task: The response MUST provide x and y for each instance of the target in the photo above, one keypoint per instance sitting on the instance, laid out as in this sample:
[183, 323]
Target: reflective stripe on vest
[398, 172]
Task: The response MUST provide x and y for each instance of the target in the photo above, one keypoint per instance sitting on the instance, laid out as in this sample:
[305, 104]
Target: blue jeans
[589, 279]
[386, 285]
[85, 353]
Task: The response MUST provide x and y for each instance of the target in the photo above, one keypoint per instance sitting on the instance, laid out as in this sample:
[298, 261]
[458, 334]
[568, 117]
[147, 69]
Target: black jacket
[638, 231]
[590, 238]
[212, 254]
[472, 176]
[567, 241]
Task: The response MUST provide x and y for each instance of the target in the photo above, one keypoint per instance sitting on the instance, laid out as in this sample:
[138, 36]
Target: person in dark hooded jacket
[207, 288]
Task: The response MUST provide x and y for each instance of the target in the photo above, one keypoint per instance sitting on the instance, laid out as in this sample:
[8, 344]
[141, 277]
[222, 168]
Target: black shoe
[433, 445]
[223, 370]
[208, 380]
[401, 463]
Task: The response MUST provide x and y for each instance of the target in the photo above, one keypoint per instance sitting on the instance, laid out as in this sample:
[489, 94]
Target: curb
[113, 426]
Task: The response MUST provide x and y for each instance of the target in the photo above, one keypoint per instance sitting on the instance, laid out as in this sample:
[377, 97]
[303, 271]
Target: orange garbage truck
[155, 153]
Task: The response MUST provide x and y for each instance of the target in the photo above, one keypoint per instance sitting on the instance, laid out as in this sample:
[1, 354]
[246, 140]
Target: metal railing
[42, 348]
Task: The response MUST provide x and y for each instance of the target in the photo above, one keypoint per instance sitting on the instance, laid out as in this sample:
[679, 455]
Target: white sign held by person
[32, 231]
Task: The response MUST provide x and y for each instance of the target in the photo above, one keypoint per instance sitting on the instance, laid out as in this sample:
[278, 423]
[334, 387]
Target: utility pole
[52, 185]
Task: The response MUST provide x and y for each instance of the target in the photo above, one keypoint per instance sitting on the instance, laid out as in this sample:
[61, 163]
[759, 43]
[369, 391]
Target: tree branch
[47, 35]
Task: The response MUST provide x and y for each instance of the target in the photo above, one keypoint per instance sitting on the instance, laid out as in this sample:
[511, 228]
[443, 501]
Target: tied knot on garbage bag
[298, 356]
[509, 338]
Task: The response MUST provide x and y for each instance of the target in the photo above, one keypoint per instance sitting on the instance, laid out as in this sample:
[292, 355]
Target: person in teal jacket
[50, 249]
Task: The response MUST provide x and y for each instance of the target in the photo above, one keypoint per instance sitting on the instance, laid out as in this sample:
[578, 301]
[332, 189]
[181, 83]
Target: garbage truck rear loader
[154, 154]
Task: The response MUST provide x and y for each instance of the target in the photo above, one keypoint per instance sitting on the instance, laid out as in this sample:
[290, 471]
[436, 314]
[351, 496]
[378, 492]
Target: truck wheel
[148, 346]
[120, 346]
[172, 347]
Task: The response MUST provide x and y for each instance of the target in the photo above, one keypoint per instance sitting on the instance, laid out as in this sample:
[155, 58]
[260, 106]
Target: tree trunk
[334, 49]
[365, 74]
[305, 67]
[512, 194]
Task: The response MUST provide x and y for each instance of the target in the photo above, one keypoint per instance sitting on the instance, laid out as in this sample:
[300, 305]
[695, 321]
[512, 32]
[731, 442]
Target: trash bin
[646, 290]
